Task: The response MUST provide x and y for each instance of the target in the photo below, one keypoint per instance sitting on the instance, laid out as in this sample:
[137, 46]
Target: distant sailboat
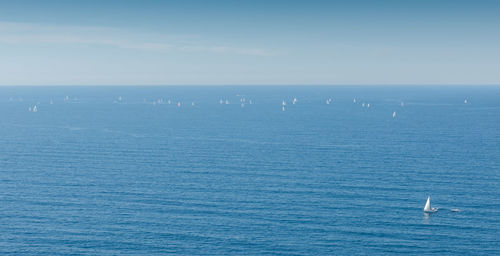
[368, 105]
[294, 101]
[283, 103]
[354, 100]
[465, 101]
[428, 208]
[283, 108]
[35, 109]
[394, 114]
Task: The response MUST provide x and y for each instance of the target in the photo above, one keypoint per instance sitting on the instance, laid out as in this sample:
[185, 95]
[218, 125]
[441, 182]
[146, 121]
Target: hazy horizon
[249, 43]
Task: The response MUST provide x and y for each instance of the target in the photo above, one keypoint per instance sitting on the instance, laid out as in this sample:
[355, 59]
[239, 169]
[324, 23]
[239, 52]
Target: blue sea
[120, 171]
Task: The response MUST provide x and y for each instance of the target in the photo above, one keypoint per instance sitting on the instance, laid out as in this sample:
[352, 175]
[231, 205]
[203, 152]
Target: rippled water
[92, 174]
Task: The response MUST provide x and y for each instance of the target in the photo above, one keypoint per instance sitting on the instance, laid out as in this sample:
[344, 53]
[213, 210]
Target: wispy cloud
[225, 49]
[28, 33]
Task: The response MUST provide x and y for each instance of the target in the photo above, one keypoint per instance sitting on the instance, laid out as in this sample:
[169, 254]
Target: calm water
[95, 175]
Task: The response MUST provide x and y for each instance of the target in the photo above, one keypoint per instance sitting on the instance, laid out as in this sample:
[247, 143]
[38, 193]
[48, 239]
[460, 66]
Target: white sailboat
[35, 109]
[394, 114]
[428, 208]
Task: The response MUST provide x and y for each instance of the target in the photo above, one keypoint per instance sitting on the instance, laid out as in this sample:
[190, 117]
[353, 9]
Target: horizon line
[235, 85]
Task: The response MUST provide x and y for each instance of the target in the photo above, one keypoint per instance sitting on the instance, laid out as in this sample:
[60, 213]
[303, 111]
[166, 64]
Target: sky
[253, 42]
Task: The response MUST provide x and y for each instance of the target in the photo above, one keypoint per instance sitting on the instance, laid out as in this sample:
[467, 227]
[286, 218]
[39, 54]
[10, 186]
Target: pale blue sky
[249, 42]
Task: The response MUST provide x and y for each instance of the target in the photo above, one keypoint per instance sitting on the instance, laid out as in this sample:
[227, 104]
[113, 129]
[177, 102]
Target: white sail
[427, 207]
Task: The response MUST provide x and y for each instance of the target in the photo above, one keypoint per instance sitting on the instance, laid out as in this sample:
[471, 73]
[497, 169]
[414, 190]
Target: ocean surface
[120, 171]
